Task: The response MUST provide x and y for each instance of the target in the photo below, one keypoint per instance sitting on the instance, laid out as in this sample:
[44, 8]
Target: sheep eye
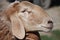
[23, 11]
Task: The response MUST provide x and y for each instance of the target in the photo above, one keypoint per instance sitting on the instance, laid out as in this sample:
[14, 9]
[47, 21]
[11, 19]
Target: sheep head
[27, 16]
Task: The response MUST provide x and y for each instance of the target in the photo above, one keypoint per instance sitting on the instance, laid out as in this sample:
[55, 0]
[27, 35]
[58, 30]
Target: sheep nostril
[50, 22]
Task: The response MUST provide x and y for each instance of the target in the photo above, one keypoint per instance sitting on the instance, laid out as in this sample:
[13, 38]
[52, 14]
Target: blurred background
[52, 7]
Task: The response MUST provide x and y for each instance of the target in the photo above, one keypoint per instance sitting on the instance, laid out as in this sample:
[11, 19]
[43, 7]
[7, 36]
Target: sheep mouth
[47, 27]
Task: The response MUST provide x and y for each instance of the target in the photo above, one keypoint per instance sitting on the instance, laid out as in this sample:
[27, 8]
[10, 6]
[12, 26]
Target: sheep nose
[50, 22]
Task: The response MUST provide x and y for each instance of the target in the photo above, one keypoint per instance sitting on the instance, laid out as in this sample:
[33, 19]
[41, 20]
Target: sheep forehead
[34, 8]
[26, 3]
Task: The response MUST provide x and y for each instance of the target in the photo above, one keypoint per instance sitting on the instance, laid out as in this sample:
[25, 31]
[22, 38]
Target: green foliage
[55, 36]
[45, 38]
[56, 33]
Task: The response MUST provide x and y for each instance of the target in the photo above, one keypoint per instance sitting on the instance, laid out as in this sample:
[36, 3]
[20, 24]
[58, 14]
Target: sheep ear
[17, 27]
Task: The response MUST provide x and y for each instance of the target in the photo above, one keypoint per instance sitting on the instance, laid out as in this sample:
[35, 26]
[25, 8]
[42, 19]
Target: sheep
[4, 31]
[23, 17]
[5, 34]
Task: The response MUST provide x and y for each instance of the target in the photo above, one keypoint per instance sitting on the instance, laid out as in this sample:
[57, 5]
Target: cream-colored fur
[27, 16]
